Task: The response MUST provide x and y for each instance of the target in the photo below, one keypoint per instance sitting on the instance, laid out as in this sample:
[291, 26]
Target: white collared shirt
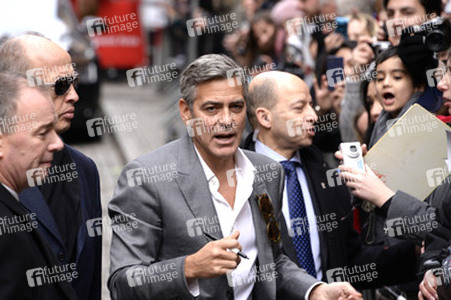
[239, 217]
[311, 216]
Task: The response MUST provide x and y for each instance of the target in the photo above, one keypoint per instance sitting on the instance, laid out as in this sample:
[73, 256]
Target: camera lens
[436, 41]
[353, 148]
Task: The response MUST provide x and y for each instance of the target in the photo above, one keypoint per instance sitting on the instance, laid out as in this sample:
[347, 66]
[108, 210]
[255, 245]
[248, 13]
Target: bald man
[70, 198]
[318, 215]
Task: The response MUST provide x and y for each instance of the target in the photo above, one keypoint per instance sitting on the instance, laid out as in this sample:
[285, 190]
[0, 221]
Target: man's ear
[185, 112]
[264, 117]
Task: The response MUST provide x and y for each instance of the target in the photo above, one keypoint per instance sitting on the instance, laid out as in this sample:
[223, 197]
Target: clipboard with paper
[412, 155]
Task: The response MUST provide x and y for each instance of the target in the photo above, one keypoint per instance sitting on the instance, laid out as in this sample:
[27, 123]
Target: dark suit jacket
[89, 249]
[438, 240]
[163, 210]
[341, 246]
[21, 251]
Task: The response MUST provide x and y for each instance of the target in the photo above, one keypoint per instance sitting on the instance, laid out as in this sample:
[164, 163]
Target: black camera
[436, 34]
[379, 47]
[293, 56]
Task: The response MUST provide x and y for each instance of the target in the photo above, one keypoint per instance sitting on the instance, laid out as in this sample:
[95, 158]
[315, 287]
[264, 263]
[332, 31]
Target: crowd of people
[385, 50]
[286, 49]
[260, 202]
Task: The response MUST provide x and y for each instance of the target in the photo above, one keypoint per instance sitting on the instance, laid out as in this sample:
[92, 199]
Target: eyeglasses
[267, 210]
[62, 85]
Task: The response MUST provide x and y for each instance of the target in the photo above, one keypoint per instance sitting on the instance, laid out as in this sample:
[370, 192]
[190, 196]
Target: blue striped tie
[297, 210]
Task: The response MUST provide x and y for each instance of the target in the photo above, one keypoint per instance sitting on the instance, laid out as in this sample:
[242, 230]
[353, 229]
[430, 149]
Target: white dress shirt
[311, 216]
[239, 217]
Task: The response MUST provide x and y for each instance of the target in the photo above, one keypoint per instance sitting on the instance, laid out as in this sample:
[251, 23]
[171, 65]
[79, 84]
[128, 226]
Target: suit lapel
[198, 198]
[194, 188]
[316, 182]
[264, 246]
[18, 209]
[193, 184]
[34, 201]
[82, 231]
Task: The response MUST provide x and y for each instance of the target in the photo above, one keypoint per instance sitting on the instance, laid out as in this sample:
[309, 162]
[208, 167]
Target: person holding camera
[415, 27]
[413, 51]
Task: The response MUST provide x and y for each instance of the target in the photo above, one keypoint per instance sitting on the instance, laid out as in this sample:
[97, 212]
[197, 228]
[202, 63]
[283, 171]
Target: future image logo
[333, 177]
[335, 76]
[197, 226]
[424, 223]
[112, 24]
[153, 274]
[213, 24]
[51, 275]
[353, 274]
[434, 76]
[235, 77]
[436, 176]
[135, 77]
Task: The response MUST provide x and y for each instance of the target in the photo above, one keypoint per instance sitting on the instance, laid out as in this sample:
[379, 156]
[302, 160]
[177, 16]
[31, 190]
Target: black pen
[212, 237]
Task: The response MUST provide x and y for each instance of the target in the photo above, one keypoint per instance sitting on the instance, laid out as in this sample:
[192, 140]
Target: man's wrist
[189, 272]
[314, 291]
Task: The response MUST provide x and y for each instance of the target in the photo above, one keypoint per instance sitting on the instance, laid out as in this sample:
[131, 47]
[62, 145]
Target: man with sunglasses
[71, 197]
[207, 227]
[316, 208]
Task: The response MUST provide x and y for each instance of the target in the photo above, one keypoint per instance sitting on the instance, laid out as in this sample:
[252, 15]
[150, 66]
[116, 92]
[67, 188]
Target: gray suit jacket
[164, 233]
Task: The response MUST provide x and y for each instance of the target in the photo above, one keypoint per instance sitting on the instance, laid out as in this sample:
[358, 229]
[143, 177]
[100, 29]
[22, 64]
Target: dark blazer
[24, 250]
[341, 246]
[438, 240]
[161, 238]
[89, 249]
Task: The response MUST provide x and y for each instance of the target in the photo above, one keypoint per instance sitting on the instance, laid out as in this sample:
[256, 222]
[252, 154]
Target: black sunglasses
[63, 84]
[267, 210]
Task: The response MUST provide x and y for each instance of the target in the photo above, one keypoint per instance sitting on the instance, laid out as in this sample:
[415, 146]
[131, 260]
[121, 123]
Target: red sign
[117, 35]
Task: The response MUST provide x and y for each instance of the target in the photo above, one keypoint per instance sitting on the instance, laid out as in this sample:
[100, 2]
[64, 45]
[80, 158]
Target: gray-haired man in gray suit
[198, 201]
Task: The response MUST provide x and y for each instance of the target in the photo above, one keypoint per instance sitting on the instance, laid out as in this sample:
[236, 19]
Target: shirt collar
[15, 195]
[265, 150]
[242, 163]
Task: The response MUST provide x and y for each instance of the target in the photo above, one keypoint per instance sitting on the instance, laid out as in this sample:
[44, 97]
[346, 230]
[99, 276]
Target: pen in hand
[236, 251]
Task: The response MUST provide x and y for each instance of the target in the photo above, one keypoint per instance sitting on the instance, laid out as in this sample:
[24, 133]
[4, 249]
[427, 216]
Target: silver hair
[13, 54]
[13, 57]
[209, 67]
[10, 86]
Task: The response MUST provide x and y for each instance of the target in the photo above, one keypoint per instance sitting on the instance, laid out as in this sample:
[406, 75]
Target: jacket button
[61, 257]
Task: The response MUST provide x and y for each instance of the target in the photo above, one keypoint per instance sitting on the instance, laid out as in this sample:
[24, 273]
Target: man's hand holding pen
[234, 250]
[214, 259]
